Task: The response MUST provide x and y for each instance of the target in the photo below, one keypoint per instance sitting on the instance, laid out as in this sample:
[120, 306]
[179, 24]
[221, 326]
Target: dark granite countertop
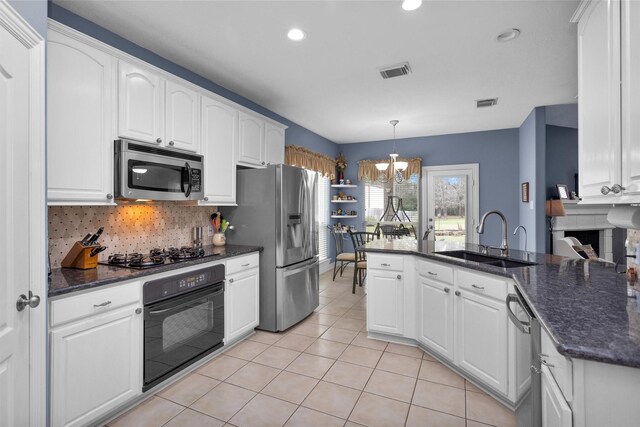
[66, 280]
[582, 304]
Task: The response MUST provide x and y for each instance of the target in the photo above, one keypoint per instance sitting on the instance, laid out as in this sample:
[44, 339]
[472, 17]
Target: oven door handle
[187, 192]
[183, 305]
[524, 327]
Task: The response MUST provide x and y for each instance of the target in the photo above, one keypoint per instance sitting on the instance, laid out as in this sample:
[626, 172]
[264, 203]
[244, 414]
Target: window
[323, 217]
[376, 195]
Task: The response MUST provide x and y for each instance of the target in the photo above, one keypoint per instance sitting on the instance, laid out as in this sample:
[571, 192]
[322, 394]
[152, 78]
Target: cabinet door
[140, 99]
[81, 105]
[274, 144]
[481, 343]
[555, 410]
[219, 140]
[95, 366]
[599, 97]
[251, 141]
[385, 293]
[241, 305]
[182, 117]
[436, 316]
[631, 97]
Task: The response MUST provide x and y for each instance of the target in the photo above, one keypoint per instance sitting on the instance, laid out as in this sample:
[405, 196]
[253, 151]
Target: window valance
[367, 168]
[304, 158]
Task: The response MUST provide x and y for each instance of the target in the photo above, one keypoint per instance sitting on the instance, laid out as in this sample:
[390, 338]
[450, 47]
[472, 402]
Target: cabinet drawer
[236, 265]
[385, 262]
[482, 284]
[435, 271]
[76, 307]
[559, 365]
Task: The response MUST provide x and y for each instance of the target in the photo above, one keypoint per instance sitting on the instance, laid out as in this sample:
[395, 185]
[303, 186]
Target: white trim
[575, 18]
[120, 55]
[474, 209]
[37, 232]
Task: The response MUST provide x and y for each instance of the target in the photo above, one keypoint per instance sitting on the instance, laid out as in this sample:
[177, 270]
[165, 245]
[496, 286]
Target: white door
[450, 203]
[386, 301]
[599, 94]
[219, 141]
[251, 140]
[140, 112]
[274, 144]
[182, 117]
[436, 316]
[22, 231]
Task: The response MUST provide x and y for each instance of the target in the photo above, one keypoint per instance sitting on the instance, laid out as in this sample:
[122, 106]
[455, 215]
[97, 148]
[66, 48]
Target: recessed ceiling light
[411, 4]
[507, 36]
[296, 34]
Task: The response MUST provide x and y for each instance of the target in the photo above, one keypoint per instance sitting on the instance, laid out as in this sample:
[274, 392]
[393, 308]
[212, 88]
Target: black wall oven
[183, 321]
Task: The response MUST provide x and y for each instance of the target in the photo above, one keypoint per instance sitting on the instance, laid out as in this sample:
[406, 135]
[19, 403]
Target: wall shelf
[344, 201]
[344, 186]
[344, 216]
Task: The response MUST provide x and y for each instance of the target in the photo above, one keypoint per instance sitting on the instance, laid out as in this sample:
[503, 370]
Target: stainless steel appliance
[529, 413]
[152, 173]
[277, 210]
[183, 321]
[157, 257]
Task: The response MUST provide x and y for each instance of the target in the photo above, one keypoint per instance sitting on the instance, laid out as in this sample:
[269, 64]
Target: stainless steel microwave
[144, 172]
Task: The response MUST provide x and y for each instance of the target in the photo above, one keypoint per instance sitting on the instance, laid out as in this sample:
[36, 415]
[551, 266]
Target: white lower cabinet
[481, 330]
[555, 410]
[436, 317]
[385, 301]
[242, 294]
[96, 360]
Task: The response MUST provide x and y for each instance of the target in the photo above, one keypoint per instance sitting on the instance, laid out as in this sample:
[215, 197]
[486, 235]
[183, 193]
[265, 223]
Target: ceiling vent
[482, 103]
[395, 70]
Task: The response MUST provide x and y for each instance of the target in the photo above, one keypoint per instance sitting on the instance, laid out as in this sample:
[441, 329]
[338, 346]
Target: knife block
[79, 257]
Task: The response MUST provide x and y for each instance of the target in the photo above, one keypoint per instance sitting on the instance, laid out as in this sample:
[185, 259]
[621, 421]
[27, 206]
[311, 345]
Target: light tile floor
[322, 372]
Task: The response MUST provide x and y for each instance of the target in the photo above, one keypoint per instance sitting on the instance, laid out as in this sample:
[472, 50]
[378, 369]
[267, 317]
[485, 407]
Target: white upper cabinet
[251, 150]
[274, 144]
[140, 104]
[182, 117]
[608, 88]
[631, 97]
[80, 122]
[219, 141]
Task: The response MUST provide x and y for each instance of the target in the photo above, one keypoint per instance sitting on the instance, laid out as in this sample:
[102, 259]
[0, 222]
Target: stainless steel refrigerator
[277, 210]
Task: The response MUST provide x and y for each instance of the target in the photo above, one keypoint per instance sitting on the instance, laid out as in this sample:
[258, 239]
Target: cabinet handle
[263, 163]
[477, 287]
[447, 290]
[617, 188]
[171, 143]
[605, 190]
[138, 310]
[109, 196]
[457, 293]
[545, 363]
[384, 264]
[399, 276]
[104, 304]
[433, 274]
[245, 265]
[206, 199]
[159, 140]
[231, 280]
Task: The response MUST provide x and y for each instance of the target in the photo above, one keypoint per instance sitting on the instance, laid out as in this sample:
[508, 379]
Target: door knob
[617, 188]
[33, 301]
[159, 140]
[171, 143]
[457, 293]
[605, 190]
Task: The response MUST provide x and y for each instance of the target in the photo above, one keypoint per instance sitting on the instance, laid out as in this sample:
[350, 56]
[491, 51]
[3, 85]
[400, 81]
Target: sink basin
[486, 259]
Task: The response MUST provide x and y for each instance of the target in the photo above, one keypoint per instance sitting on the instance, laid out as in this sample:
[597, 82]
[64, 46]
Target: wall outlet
[209, 230]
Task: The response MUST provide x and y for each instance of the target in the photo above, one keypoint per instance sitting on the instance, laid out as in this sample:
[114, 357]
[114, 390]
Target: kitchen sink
[486, 259]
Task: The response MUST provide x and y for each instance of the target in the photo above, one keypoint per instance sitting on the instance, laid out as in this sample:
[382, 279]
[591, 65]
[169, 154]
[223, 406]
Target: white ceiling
[329, 82]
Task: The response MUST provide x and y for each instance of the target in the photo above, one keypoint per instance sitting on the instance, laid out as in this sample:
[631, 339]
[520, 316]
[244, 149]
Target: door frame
[473, 208]
[37, 232]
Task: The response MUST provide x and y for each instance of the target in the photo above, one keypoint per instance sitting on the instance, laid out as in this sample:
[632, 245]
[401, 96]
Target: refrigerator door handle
[296, 268]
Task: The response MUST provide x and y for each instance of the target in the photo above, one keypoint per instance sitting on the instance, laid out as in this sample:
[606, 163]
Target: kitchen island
[589, 315]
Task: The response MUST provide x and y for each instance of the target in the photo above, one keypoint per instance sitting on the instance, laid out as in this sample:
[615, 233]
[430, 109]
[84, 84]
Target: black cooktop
[155, 258]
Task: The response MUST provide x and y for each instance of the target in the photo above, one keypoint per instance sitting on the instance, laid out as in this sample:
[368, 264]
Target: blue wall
[34, 12]
[532, 134]
[495, 151]
[561, 158]
[294, 135]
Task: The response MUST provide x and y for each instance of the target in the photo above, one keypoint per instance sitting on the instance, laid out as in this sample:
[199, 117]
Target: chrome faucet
[525, 235]
[504, 247]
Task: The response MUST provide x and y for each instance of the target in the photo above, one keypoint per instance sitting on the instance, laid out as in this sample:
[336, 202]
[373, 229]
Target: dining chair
[359, 238]
[345, 258]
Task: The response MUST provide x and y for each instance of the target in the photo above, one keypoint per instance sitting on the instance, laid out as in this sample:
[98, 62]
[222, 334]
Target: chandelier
[396, 167]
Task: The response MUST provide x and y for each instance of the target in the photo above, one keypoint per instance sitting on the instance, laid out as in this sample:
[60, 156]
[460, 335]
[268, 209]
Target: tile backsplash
[127, 228]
